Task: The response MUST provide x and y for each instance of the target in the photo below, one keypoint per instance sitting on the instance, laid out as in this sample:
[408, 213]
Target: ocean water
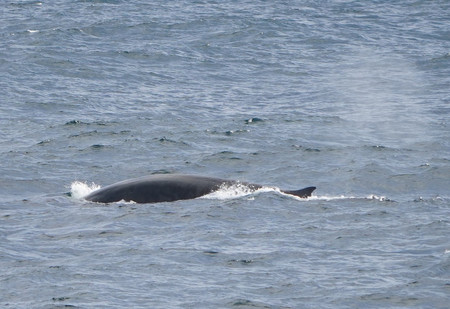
[349, 96]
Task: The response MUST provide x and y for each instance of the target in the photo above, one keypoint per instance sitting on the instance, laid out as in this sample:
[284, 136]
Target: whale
[172, 187]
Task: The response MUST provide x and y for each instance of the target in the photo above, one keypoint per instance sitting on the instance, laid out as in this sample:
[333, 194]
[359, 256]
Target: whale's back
[156, 188]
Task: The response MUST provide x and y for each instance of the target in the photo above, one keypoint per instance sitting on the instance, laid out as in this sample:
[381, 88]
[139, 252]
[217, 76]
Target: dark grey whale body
[170, 187]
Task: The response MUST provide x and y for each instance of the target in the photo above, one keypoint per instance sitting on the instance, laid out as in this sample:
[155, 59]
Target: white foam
[378, 198]
[330, 197]
[343, 197]
[227, 192]
[79, 190]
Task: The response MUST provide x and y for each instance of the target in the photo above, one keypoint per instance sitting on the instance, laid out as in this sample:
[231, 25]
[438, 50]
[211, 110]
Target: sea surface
[352, 97]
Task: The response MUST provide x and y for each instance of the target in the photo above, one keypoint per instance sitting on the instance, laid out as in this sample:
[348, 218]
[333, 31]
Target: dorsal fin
[303, 193]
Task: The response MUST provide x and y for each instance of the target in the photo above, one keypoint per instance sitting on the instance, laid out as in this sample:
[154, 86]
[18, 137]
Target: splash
[79, 190]
[238, 190]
